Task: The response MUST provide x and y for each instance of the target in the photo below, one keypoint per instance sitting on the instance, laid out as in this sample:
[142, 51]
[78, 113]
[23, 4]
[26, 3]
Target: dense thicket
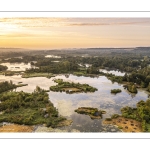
[140, 77]
[71, 87]
[3, 68]
[140, 113]
[5, 86]
[29, 109]
[47, 66]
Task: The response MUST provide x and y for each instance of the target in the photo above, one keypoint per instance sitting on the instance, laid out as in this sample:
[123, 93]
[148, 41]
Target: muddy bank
[125, 124]
[16, 128]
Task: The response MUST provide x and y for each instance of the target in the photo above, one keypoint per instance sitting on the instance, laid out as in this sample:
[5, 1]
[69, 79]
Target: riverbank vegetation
[141, 114]
[7, 86]
[29, 109]
[134, 62]
[3, 68]
[25, 108]
[71, 87]
[131, 88]
[32, 75]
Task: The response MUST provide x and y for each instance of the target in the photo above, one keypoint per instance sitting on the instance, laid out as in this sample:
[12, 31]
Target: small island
[94, 113]
[115, 91]
[71, 87]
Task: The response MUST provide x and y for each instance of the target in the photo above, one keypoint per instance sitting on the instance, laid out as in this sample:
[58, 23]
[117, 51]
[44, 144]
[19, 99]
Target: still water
[67, 103]
[117, 73]
[18, 66]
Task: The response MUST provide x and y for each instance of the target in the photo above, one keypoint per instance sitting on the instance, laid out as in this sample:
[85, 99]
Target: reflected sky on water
[67, 103]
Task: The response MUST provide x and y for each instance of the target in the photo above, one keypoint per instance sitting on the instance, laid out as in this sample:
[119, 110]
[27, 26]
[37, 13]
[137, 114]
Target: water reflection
[52, 56]
[65, 108]
[18, 66]
[117, 73]
[67, 103]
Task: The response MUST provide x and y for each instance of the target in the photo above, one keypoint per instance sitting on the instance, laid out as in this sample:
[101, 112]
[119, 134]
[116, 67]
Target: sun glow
[48, 33]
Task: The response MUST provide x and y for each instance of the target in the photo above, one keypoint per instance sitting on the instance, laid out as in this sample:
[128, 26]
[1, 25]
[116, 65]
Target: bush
[29, 109]
[120, 127]
[115, 91]
[80, 87]
[108, 119]
[114, 116]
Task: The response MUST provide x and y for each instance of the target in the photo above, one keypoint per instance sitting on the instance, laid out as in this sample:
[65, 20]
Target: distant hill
[142, 50]
[3, 49]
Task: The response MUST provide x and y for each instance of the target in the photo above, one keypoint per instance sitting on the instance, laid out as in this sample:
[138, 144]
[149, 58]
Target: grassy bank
[31, 75]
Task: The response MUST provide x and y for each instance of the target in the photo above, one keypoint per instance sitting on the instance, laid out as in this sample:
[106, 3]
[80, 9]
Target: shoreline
[125, 124]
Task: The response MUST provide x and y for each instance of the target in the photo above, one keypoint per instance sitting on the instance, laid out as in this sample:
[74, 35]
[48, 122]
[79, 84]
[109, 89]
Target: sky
[60, 33]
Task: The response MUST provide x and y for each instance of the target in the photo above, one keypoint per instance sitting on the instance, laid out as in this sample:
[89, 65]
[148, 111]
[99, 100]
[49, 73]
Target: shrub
[114, 116]
[108, 119]
[115, 91]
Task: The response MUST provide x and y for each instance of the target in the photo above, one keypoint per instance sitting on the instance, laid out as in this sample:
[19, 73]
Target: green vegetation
[120, 127]
[134, 62]
[3, 68]
[31, 75]
[108, 119]
[114, 116]
[45, 65]
[94, 113]
[83, 73]
[115, 91]
[71, 87]
[6, 86]
[112, 77]
[131, 88]
[9, 73]
[80, 73]
[20, 85]
[29, 109]
[141, 114]
[92, 70]
[141, 77]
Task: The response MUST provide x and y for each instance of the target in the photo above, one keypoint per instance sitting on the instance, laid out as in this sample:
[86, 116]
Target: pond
[116, 73]
[52, 56]
[17, 66]
[67, 103]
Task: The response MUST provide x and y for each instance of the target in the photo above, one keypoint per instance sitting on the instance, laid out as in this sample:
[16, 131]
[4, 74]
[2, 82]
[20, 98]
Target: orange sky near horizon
[53, 33]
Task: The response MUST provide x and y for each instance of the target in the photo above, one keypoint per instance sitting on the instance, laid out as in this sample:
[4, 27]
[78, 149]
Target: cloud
[17, 35]
[107, 24]
[46, 22]
[33, 22]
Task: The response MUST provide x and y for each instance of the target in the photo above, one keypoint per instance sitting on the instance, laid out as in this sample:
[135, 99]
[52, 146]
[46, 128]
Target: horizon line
[76, 48]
